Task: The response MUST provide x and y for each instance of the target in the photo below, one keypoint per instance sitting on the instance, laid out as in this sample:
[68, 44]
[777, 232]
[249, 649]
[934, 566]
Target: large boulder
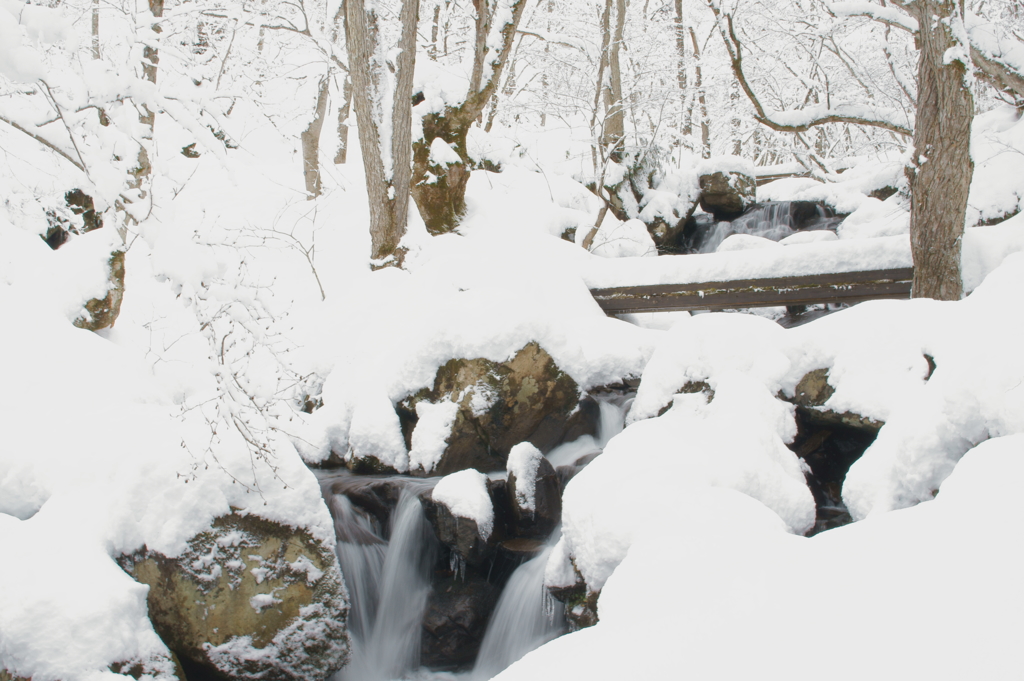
[534, 491]
[726, 194]
[478, 410]
[249, 599]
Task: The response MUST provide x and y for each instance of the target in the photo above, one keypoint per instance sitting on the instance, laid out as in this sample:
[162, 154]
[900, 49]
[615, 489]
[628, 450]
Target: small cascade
[774, 220]
[388, 583]
[612, 417]
[525, 618]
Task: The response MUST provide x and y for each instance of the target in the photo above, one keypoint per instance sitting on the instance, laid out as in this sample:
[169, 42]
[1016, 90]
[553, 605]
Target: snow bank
[718, 590]
[465, 495]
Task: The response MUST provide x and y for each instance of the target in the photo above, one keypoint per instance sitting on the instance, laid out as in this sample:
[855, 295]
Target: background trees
[630, 91]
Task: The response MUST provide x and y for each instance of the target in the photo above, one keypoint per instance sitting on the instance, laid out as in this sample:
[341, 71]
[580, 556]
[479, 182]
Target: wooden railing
[849, 287]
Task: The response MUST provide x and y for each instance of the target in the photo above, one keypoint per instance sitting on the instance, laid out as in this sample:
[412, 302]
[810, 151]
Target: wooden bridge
[849, 287]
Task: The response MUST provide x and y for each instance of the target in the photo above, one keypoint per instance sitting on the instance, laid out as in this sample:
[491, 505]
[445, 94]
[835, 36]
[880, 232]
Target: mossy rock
[249, 599]
[810, 395]
[727, 194]
[526, 399]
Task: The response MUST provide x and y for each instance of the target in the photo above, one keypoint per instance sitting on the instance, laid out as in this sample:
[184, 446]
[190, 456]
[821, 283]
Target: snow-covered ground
[242, 298]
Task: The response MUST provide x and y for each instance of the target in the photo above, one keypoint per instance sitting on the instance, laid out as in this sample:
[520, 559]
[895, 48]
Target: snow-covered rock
[478, 410]
[249, 599]
[462, 512]
[534, 491]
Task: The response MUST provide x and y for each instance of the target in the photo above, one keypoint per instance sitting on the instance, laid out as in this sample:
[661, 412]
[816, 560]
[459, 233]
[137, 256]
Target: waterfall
[774, 220]
[771, 220]
[525, 618]
[613, 409]
[388, 583]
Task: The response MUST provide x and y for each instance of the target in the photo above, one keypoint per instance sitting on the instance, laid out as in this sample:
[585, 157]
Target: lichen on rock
[249, 599]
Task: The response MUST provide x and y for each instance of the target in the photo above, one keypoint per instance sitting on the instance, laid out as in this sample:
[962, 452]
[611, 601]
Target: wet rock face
[456, 619]
[461, 535]
[726, 195]
[829, 451]
[526, 399]
[546, 511]
[249, 599]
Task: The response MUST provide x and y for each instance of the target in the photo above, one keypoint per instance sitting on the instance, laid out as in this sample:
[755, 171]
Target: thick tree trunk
[940, 176]
[439, 189]
[310, 139]
[385, 161]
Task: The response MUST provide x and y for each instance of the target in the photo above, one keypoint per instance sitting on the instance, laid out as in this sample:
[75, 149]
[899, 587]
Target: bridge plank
[848, 287]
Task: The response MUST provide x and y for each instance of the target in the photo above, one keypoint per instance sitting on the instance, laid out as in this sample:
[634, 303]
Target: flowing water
[613, 409]
[388, 583]
[387, 564]
[525, 618]
[772, 220]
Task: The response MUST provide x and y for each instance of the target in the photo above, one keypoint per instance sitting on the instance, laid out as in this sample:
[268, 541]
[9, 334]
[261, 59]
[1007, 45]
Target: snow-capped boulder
[813, 391]
[249, 599]
[478, 410]
[461, 511]
[534, 492]
[726, 193]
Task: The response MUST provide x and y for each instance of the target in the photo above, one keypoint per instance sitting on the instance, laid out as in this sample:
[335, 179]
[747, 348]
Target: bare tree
[439, 188]
[384, 117]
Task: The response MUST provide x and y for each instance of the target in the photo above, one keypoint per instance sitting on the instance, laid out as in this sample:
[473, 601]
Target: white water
[771, 220]
[525, 618]
[614, 408]
[388, 584]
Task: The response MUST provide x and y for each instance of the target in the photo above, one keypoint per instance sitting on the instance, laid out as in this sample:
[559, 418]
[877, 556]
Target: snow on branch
[808, 117]
[889, 16]
[997, 55]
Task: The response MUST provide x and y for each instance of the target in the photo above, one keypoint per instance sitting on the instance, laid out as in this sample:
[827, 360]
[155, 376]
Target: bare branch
[45, 142]
[798, 121]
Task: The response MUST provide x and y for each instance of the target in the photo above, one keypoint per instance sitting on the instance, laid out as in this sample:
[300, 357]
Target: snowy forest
[440, 340]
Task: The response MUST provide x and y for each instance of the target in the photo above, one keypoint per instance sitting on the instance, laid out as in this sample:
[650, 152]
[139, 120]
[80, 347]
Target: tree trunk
[940, 175]
[615, 117]
[385, 161]
[440, 188]
[686, 125]
[705, 132]
[310, 139]
[341, 156]
[95, 29]
[150, 62]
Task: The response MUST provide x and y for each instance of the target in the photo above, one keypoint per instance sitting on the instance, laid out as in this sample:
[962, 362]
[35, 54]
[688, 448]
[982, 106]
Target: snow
[465, 495]
[429, 438]
[726, 164]
[628, 239]
[523, 462]
[244, 300]
[442, 153]
[719, 574]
